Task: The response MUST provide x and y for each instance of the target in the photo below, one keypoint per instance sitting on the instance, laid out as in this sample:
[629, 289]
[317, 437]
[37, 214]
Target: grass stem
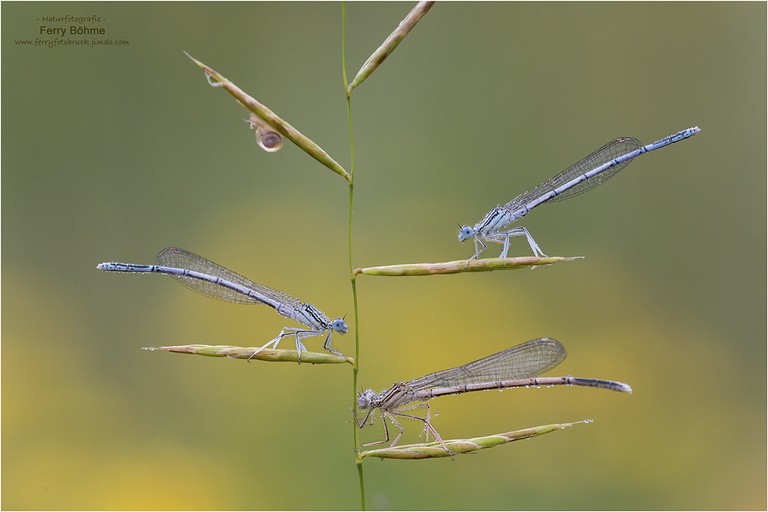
[351, 181]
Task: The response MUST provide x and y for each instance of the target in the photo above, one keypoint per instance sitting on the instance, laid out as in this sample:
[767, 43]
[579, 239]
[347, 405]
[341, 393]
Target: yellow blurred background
[111, 153]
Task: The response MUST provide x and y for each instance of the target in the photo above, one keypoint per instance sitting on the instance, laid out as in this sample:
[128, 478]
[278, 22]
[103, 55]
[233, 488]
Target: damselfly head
[364, 398]
[339, 325]
[465, 233]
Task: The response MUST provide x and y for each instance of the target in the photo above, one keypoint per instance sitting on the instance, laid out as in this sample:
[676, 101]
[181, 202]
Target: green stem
[355, 366]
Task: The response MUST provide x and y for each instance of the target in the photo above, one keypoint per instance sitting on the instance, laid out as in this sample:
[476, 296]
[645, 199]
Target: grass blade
[390, 43]
[454, 267]
[273, 120]
[461, 446]
[273, 355]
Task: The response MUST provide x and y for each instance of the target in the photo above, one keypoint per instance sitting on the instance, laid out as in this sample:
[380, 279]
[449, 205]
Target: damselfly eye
[465, 233]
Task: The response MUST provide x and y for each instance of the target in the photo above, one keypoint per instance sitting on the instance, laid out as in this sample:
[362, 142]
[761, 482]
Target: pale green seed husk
[461, 446]
[390, 43]
[274, 121]
[454, 267]
[274, 355]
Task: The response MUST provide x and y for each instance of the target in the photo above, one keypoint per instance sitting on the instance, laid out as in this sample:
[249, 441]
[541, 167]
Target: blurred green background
[111, 153]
